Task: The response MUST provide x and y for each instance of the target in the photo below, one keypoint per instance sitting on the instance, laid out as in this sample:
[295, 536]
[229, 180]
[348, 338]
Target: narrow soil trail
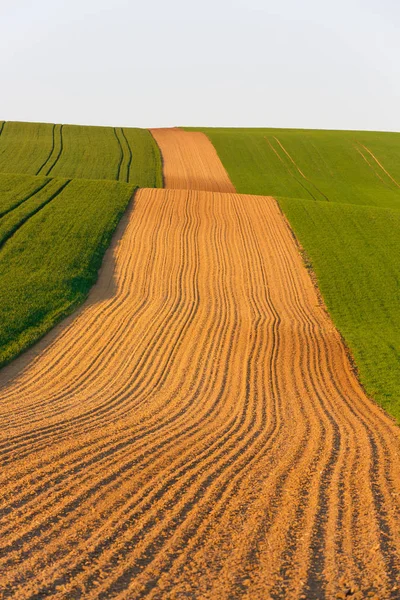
[190, 161]
[196, 431]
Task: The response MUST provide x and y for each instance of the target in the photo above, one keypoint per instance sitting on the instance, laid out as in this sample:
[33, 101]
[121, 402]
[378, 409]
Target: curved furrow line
[86, 463]
[218, 514]
[124, 264]
[25, 383]
[361, 501]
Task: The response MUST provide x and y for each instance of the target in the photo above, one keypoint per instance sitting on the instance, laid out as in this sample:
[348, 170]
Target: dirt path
[196, 430]
[191, 161]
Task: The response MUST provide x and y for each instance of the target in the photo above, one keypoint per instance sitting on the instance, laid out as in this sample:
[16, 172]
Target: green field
[341, 194]
[63, 189]
[73, 151]
[51, 260]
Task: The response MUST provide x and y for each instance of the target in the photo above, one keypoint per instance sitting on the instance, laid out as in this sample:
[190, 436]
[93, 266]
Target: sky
[326, 64]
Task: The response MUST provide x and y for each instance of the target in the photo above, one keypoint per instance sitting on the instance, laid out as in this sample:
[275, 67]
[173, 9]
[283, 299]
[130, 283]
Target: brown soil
[197, 430]
[190, 161]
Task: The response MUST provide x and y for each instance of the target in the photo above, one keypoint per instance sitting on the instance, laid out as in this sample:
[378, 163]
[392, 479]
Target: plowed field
[190, 161]
[196, 431]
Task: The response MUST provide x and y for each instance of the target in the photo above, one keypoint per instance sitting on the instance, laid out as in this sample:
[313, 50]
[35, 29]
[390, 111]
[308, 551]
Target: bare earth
[196, 431]
[191, 161]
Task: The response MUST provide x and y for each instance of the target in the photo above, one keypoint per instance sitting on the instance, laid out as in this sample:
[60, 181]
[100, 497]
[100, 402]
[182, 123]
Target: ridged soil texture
[190, 161]
[197, 431]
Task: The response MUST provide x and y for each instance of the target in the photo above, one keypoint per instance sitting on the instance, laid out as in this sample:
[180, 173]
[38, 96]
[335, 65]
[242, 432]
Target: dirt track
[196, 431]
[191, 161]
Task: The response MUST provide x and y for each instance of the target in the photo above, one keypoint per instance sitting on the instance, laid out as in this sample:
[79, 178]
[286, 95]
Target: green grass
[50, 262]
[331, 161]
[74, 151]
[344, 209]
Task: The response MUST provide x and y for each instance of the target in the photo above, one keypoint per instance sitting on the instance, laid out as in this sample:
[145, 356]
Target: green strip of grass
[50, 263]
[146, 167]
[73, 151]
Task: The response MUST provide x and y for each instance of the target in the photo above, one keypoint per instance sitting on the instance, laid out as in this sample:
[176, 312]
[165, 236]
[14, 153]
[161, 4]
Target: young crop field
[72, 151]
[53, 235]
[341, 194]
[331, 166]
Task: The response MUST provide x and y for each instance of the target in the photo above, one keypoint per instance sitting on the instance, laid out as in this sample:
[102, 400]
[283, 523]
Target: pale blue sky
[284, 63]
